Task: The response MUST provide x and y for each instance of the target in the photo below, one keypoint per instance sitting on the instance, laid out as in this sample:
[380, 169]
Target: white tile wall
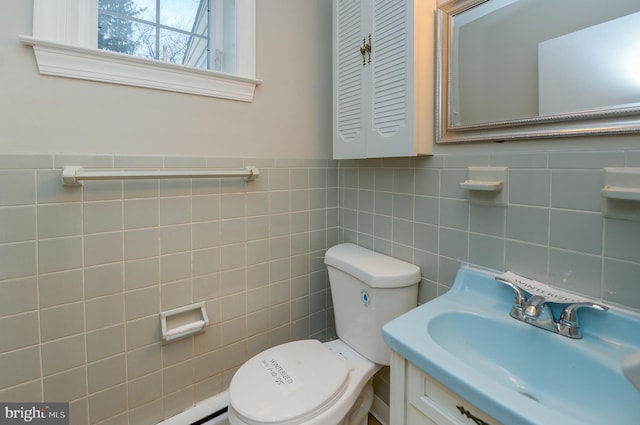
[84, 273]
[551, 230]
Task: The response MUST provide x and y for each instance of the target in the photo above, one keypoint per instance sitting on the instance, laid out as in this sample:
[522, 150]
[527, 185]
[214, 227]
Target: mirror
[521, 69]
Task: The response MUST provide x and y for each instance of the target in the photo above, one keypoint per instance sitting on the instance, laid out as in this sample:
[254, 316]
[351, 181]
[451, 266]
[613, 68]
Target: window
[197, 33]
[204, 47]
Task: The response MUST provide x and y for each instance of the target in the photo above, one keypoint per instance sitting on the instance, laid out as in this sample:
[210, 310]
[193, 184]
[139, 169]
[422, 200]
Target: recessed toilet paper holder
[183, 321]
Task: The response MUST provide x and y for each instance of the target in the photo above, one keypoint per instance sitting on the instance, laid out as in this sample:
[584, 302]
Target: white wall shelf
[622, 183]
[486, 185]
[624, 193]
[621, 193]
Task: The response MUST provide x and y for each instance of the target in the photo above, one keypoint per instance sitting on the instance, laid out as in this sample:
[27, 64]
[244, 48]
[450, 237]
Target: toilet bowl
[312, 383]
[302, 382]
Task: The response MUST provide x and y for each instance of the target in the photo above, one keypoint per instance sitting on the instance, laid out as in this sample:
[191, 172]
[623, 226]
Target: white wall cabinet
[383, 78]
[419, 399]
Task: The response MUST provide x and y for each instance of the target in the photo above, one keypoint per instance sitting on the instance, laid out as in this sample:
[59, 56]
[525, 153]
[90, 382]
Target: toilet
[313, 383]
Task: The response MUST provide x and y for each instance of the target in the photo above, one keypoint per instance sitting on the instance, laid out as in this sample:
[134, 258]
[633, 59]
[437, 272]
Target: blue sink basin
[516, 372]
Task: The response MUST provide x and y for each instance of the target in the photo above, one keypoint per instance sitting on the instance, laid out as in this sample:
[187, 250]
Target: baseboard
[201, 410]
[380, 410]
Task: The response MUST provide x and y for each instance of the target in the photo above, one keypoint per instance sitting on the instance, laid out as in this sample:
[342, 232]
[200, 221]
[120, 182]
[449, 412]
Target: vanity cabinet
[419, 399]
[383, 78]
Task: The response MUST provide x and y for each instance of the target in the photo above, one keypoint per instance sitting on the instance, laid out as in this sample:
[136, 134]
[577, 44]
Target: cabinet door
[349, 138]
[429, 398]
[383, 99]
[391, 83]
[402, 78]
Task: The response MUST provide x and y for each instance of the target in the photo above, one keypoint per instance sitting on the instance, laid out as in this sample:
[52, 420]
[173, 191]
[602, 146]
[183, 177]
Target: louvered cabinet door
[384, 98]
[349, 135]
[391, 80]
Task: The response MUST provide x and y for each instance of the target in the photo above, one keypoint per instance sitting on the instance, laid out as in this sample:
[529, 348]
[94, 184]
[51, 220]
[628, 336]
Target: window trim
[64, 46]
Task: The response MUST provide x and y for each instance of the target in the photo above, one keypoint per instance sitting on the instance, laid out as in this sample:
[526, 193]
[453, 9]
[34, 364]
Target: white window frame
[65, 45]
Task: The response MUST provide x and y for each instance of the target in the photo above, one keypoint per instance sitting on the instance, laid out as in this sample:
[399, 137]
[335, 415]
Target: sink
[551, 370]
[516, 372]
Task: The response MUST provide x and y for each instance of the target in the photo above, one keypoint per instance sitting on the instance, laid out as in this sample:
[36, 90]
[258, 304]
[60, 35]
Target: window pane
[145, 40]
[197, 51]
[122, 35]
[196, 33]
[146, 9]
[173, 46]
[181, 14]
[141, 9]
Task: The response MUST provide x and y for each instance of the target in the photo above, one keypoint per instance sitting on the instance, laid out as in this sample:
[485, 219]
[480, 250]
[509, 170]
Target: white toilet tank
[368, 290]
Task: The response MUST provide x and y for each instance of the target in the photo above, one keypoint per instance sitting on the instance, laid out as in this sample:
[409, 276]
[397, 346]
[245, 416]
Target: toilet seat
[288, 383]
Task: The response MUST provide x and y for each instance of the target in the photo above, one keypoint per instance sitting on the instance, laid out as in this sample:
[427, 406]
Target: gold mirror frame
[599, 122]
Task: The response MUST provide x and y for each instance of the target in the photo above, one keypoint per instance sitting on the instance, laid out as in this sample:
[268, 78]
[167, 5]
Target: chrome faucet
[568, 324]
[538, 313]
[535, 310]
[517, 311]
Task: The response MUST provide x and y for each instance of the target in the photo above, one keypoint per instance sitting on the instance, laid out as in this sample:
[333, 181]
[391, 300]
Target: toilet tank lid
[375, 269]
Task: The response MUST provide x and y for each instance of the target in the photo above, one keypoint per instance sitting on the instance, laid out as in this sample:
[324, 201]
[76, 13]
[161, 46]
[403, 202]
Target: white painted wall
[289, 118]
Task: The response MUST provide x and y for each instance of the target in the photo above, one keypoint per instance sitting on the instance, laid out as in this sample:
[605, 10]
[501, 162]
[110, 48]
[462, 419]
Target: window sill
[64, 60]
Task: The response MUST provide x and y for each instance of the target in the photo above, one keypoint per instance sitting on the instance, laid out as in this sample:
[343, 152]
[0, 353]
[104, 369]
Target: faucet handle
[570, 312]
[568, 323]
[520, 297]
